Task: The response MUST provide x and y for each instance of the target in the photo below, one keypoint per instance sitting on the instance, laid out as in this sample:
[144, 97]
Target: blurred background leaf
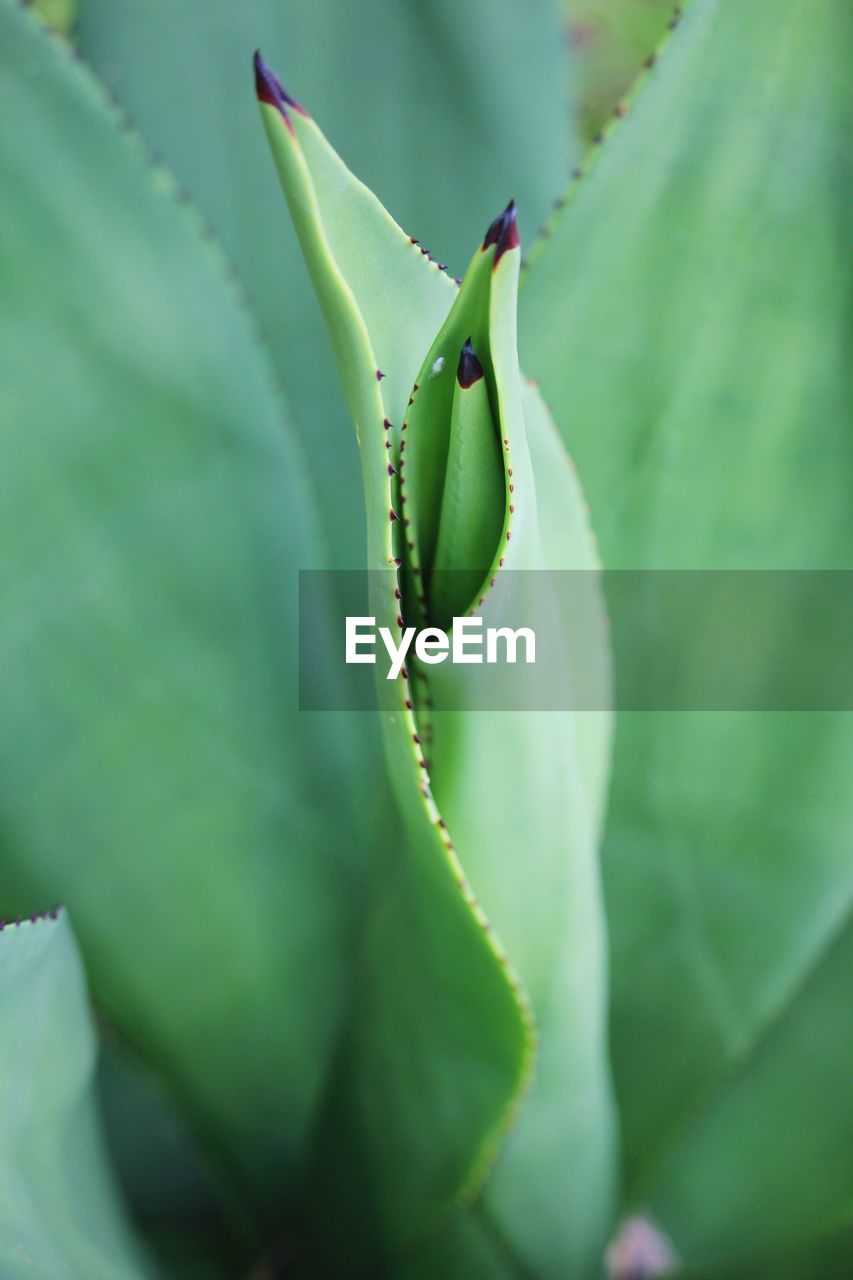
[444, 111]
[610, 40]
[60, 1214]
[684, 319]
[155, 774]
[59, 14]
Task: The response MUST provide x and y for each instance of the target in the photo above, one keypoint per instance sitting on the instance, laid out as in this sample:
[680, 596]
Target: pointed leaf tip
[503, 232]
[469, 369]
[269, 89]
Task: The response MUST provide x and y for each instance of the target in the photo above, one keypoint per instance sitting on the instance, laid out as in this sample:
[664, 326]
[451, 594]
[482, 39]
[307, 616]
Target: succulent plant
[429, 991]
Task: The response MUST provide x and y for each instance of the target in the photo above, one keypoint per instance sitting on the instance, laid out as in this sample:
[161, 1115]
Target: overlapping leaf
[154, 513]
[527, 847]
[684, 319]
[60, 1214]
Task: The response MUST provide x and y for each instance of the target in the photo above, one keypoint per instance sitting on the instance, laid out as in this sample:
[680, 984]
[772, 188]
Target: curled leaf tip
[503, 232]
[469, 369]
[269, 88]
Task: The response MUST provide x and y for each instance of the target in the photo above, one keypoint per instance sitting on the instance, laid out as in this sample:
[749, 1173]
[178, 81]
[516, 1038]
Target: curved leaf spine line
[167, 185]
[621, 112]
[47, 916]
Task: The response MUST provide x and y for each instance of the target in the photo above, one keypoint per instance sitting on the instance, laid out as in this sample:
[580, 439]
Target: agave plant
[428, 991]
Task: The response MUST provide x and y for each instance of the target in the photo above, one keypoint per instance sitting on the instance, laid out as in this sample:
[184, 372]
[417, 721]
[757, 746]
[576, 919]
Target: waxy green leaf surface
[683, 317]
[153, 514]
[60, 1213]
[461, 835]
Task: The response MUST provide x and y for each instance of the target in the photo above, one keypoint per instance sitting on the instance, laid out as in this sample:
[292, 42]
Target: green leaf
[683, 317]
[528, 848]
[610, 40]
[786, 1104]
[400, 1109]
[60, 1214]
[59, 14]
[472, 507]
[445, 111]
[156, 774]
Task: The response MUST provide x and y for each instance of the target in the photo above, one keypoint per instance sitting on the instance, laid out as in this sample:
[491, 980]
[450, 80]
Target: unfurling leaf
[464, 480]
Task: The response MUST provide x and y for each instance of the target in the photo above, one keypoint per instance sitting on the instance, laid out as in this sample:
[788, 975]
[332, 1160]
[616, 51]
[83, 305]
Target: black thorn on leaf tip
[503, 232]
[469, 369]
[269, 89]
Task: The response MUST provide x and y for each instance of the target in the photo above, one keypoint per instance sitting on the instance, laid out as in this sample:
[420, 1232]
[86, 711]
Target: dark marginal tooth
[496, 228]
[392, 471]
[392, 515]
[503, 232]
[269, 88]
[469, 369]
[379, 375]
